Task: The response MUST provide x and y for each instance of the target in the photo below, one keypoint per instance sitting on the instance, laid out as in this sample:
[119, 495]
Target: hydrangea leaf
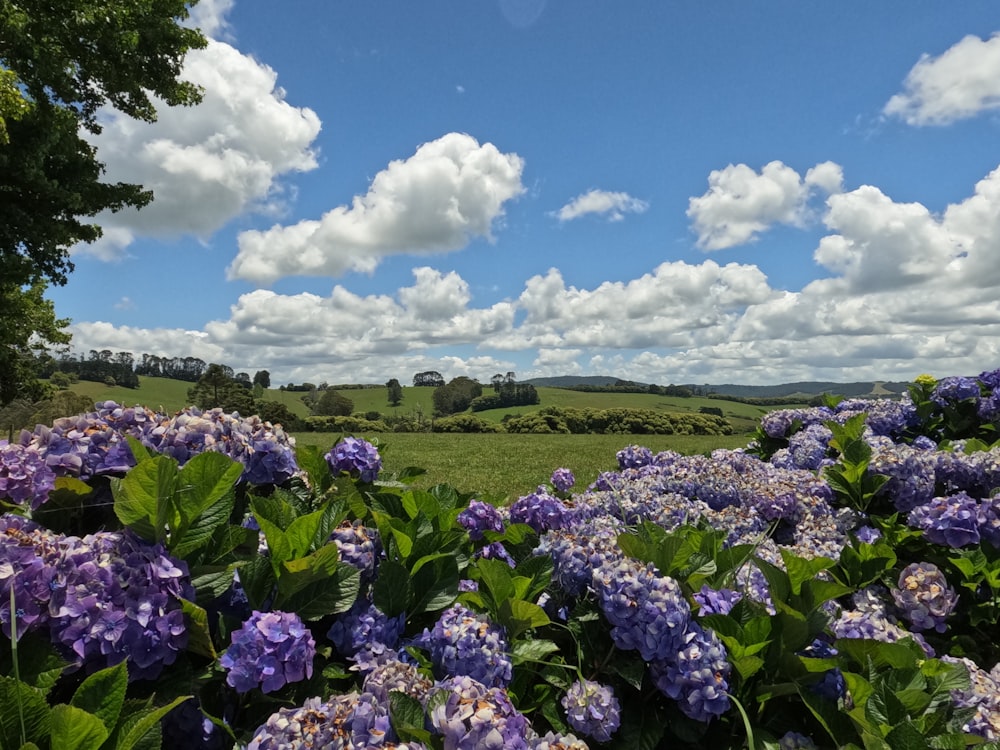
[199, 637]
[142, 497]
[137, 728]
[328, 596]
[407, 716]
[102, 694]
[75, 729]
[33, 708]
[392, 590]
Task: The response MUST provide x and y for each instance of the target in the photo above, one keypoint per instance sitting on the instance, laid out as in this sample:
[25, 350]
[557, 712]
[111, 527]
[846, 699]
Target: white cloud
[960, 83]
[450, 191]
[209, 163]
[612, 205]
[210, 17]
[740, 203]
[908, 292]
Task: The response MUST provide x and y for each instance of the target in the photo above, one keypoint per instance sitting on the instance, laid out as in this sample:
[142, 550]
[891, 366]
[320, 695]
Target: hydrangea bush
[835, 584]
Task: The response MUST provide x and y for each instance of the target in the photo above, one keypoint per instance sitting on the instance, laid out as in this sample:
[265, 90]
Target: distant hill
[806, 389]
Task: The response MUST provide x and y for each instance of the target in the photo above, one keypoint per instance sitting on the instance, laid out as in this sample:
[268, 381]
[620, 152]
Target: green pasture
[502, 467]
[171, 395]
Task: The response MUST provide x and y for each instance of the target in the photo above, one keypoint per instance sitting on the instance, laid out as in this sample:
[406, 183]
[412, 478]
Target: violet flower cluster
[592, 709]
[463, 642]
[540, 510]
[480, 517]
[93, 444]
[697, 676]
[366, 635]
[358, 546]
[469, 714]
[355, 457]
[562, 480]
[270, 650]
[924, 597]
[25, 479]
[103, 598]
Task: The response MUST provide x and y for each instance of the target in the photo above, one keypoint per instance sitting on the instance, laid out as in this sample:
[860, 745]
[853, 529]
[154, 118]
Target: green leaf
[147, 723]
[278, 545]
[139, 451]
[211, 581]
[906, 736]
[392, 592]
[800, 569]
[532, 650]
[143, 497]
[75, 729]
[299, 573]
[102, 694]
[199, 636]
[435, 586]
[301, 533]
[329, 596]
[518, 615]
[16, 700]
[496, 576]
[406, 714]
[630, 668]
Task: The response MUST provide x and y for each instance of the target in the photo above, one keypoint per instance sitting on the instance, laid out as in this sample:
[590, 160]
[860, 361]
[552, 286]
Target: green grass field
[502, 467]
[171, 396]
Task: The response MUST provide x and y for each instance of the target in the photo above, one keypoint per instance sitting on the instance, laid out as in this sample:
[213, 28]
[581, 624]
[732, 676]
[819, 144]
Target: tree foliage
[394, 392]
[29, 328]
[456, 395]
[60, 63]
[430, 377]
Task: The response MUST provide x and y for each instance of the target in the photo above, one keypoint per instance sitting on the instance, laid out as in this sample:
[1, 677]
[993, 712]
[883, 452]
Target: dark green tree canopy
[59, 64]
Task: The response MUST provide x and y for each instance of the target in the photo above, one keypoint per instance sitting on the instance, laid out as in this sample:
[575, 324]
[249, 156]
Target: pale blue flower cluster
[25, 479]
[270, 650]
[355, 457]
[93, 444]
[102, 598]
[463, 642]
[592, 709]
[924, 597]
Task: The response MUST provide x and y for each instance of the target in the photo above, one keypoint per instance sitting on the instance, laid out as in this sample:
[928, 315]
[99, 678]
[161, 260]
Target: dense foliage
[569, 420]
[195, 578]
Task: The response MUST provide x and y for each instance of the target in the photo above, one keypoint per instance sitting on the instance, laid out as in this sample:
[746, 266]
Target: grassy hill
[170, 395]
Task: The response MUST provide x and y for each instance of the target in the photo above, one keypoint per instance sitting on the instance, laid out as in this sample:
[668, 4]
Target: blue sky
[661, 191]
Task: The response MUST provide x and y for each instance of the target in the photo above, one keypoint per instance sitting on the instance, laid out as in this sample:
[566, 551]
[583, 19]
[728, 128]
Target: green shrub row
[620, 421]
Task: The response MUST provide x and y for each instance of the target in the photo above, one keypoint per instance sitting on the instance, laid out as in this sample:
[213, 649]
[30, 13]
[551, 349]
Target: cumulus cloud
[612, 205]
[960, 83]
[908, 291]
[741, 203]
[210, 17]
[209, 163]
[450, 191]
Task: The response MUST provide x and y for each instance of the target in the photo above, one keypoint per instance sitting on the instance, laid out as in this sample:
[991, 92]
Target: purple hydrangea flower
[795, 741]
[269, 651]
[634, 457]
[697, 675]
[592, 709]
[712, 602]
[480, 517]
[25, 478]
[924, 597]
[951, 390]
[540, 510]
[495, 551]
[832, 684]
[358, 546]
[468, 714]
[317, 724]
[356, 457]
[465, 643]
[364, 632]
[647, 612]
[951, 521]
[562, 480]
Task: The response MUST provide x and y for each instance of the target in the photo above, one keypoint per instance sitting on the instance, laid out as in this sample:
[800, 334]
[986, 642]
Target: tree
[332, 404]
[29, 328]
[59, 64]
[218, 388]
[431, 378]
[395, 392]
[456, 396]
[262, 378]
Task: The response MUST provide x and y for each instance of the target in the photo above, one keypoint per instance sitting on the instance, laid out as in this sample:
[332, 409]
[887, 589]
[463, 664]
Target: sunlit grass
[504, 467]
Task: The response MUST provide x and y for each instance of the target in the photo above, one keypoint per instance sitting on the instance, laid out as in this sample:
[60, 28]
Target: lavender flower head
[634, 457]
[468, 714]
[925, 597]
[316, 724]
[713, 602]
[562, 480]
[364, 633]
[269, 651]
[358, 546]
[465, 643]
[592, 709]
[25, 479]
[480, 517]
[357, 457]
[540, 510]
[697, 675]
[950, 521]
[795, 741]
[951, 390]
